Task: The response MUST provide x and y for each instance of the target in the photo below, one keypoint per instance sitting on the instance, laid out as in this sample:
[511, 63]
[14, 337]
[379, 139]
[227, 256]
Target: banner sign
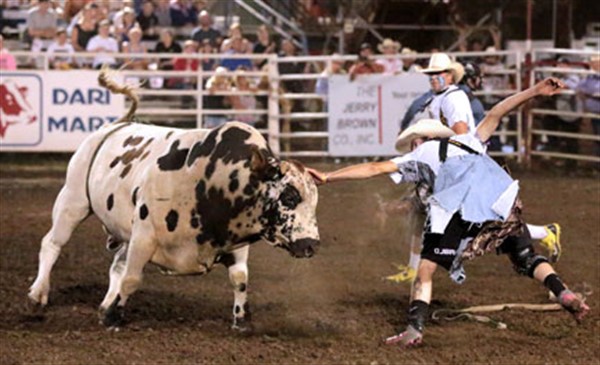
[365, 114]
[53, 111]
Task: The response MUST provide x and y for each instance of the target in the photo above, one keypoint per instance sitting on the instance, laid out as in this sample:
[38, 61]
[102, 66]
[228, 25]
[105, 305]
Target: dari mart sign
[53, 111]
[365, 114]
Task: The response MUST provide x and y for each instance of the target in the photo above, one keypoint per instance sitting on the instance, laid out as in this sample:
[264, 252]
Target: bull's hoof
[34, 310]
[113, 316]
[242, 325]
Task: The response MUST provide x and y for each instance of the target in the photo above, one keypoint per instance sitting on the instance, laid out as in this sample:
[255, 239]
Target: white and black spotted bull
[181, 199]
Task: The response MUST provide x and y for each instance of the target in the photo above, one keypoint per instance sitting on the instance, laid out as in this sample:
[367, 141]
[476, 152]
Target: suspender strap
[443, 151]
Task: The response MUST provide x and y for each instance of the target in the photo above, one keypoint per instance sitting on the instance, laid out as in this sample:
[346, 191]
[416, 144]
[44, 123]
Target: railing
[302, 131]
[537, 135]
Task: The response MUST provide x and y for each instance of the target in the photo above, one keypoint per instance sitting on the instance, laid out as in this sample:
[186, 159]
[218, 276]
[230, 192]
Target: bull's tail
[105, 80]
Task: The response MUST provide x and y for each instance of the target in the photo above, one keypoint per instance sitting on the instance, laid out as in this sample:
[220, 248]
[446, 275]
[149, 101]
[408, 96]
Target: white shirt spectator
[64, 50]
[109, 44]
[390, 65]
[452, 106]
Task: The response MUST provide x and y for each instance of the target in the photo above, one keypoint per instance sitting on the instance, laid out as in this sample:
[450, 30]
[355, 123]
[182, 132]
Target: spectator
[185, 64]
[235, 33]
[335, 67]
[365, 64]
[163, 13]
[7, 60]
[134, 45]
[181, 13]
[63, 47]
[85, 28]
[41, 21]
[148, 21]
[167, 45]
[288, 49]
[72, 8]
[128, 22]
[206, 31]
[264, 45]
[391, 63]
[208, 64]
[216, 84]
[563, 123]
[198, 6]
[589, 91]
[236, 47]
[408, 64]
[246, 101]
[492, 81]
[117, 19]
[471, 81]
[103, 44]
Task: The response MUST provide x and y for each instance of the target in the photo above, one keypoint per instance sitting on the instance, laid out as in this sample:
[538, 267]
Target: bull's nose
[305, 247]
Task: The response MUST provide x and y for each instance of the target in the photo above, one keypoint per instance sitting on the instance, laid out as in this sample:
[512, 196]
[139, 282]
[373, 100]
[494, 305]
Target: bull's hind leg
[116, 272]
[71, 207]
[237, 265]
[141, 249]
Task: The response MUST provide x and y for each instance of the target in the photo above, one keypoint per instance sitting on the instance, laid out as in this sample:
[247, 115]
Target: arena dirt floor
[331, 309]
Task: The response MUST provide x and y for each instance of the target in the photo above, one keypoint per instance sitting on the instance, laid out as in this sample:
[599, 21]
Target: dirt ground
[331, 309]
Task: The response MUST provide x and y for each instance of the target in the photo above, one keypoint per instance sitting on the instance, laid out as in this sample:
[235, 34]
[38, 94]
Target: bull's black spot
[110, 202]
[171, 220]
[237, 309]
[215, 212]
[238, 225]
[234, 185]
[134, 195]
[194, 222]
[203, 148]
[252, 185]
[143, 212]
[242, 287]
[227, 259]
[125, 171]
[169, 135]
[290, 197]
[231, 149]
[115, 162]
[174, 159]
[132, 141]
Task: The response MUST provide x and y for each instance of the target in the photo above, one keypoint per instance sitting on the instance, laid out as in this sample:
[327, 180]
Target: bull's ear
[263, 165]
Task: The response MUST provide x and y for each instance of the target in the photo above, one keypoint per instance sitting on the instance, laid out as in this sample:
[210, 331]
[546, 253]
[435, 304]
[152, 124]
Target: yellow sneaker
[552, 241]
[406, 274]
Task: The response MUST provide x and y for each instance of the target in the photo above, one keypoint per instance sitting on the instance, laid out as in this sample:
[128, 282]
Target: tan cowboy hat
[430, 128]
[388, 42]
[407, 51]
[442, 62]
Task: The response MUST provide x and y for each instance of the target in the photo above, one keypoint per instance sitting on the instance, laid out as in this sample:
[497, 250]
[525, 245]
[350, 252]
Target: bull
[184, 200]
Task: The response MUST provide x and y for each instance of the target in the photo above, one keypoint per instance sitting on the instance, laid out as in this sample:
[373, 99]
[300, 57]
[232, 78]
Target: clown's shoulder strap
[443, 150]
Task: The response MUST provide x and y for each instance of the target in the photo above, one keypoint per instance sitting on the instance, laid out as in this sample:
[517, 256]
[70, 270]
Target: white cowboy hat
[388, 42]
[407, 50]
[442, 62]
[430, 128]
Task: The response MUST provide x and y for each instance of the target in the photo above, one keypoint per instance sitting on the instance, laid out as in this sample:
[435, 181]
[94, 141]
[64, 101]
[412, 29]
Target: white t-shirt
[426, 156]
[390, 65]
[65, 49]
[108, 43]
[454, 105]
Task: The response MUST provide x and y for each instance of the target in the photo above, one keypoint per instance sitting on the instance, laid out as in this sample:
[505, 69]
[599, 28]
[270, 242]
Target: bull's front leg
[237, 265]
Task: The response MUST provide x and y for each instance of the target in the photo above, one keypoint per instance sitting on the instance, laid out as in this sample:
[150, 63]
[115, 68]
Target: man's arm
[549, 86]
[354, 172]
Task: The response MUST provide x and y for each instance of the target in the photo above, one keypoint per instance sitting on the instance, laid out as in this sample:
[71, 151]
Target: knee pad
[526, 260]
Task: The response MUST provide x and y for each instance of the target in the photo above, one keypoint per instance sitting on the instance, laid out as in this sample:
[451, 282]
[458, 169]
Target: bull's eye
[290, 197]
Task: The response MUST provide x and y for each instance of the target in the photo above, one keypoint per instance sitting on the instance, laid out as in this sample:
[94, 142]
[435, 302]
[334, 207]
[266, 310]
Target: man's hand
[319, 177]
[549, 86]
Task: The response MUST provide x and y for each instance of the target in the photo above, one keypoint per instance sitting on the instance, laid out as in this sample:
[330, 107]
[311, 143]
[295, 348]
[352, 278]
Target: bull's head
[289, 216]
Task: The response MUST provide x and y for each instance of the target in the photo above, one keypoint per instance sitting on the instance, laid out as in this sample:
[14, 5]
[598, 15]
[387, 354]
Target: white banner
[53, 111]
[365, 114]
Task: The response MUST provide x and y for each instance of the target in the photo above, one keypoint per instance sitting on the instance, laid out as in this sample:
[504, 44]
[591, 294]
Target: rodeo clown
[454, 105]
[474, 208]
